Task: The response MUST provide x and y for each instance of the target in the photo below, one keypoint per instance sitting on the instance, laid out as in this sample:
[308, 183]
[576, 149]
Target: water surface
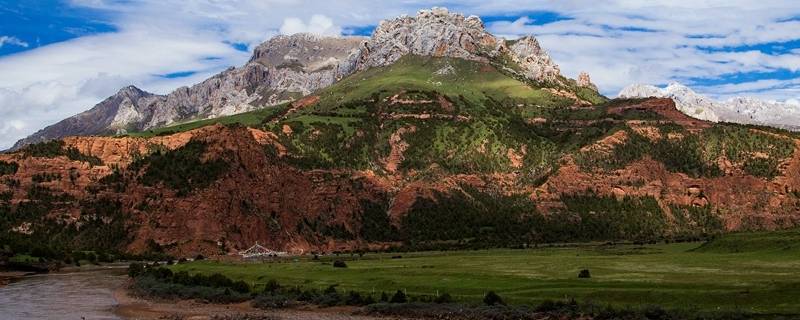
[76, 294]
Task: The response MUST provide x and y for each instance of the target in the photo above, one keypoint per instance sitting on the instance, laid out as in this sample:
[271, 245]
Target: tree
[444, 298]
[584, 274]
[135, 269]
[272, 286]
[399, 297]
[492, 299]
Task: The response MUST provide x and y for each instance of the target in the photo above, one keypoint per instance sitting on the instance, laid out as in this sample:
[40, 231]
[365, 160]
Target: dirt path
[135, 308]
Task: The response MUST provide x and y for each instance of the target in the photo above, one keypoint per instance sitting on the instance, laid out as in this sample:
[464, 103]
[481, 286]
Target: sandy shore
[131, 308]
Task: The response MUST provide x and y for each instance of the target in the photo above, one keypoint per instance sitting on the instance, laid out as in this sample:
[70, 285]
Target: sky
[61, 57]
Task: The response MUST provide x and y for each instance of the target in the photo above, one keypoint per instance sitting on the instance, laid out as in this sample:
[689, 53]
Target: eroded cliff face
[741, 200]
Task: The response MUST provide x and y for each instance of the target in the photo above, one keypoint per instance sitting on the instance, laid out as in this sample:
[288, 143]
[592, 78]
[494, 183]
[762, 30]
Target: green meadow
[749, 272]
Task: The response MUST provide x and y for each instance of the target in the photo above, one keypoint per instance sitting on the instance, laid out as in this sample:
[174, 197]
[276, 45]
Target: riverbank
[135, 308]
[7, 277]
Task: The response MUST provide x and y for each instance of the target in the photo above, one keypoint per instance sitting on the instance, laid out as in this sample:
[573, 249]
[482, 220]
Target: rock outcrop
[281, 69]
[440, 33]
[585, 81]
[743, 110]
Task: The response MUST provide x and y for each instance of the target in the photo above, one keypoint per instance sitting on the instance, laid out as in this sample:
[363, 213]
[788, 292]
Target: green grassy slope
[782, 242]
[762, 280]
[251, 118]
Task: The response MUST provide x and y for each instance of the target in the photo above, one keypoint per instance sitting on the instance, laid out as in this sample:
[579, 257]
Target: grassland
[252, 118]
[753, 272]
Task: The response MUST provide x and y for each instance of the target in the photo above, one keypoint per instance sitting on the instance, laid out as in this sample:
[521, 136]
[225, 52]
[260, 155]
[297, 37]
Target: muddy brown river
[85, 293]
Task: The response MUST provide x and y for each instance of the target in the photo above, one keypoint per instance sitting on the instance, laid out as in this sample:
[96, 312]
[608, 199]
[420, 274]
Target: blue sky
[60, 57]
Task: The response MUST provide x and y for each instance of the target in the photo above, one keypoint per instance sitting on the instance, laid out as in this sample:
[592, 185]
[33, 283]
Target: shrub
[272, 286]
[444, 298]
[149, 285]
[354, 299]
[8, 168]
[492, 299]
[384, 297]
[399, 297]
[182, 169]
[584, 274]
[134, 269]
[339, 264]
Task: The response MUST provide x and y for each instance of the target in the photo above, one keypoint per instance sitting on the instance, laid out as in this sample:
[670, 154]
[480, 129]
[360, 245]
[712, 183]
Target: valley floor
[754, 273]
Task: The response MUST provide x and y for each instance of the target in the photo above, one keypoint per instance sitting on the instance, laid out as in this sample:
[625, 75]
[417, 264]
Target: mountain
[288, 67]
[742, 110]
[280, 70]
[440, 136]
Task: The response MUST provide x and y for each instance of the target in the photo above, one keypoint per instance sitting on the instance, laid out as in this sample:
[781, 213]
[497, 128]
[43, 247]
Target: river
[80, 293]
[89, 293]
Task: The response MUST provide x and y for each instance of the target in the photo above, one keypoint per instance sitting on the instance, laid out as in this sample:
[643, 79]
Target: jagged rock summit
[743, 110]
[438, 32]
[288, 67]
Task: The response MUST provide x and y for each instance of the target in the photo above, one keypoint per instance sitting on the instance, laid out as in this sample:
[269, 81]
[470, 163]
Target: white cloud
[4, 40]
[319, 24]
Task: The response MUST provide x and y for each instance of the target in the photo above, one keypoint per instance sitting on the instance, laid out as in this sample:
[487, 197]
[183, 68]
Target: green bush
[491, 299]
[399, 297]
[181, 169]
[55, 148]
[8, 168]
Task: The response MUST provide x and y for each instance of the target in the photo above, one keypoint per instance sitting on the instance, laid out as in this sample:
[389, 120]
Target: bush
[492, 299]
[8, 167]
[399, 297]
[272, 286]
[444, 298]
[339, 264]
[355, 299]
[584, 274]
[149, 285]
[134, 269]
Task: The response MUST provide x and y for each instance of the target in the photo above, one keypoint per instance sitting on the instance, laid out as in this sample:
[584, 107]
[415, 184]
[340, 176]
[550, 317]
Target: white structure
[257, 252]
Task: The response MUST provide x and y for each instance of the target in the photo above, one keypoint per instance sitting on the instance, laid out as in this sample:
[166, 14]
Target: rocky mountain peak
[585, 81]
[130, 92]
[745, 110]
[305, 51]
[441, 33]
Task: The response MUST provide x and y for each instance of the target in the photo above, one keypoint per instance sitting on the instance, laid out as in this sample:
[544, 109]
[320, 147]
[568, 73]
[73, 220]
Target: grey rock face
[440, 33]
[288, 67]
[281, 69]
[111, 112]
[585, 81]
